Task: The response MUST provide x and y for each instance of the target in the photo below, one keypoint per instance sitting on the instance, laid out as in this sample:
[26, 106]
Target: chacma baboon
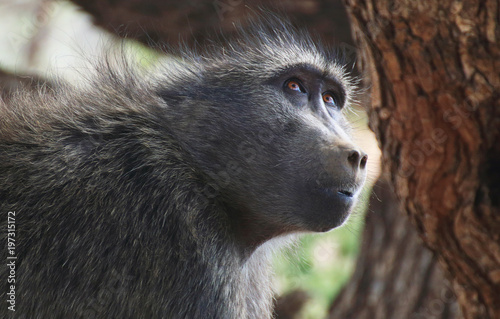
[162, 196]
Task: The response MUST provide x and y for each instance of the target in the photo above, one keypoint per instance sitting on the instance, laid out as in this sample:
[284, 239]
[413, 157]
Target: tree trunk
[192, 22]
[434, 71]
[396, 277]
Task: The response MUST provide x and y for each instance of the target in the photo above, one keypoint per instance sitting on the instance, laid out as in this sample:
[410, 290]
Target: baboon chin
[158, 196]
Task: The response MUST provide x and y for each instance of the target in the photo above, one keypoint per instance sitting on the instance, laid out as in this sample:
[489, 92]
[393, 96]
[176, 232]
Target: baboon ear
[170, 96]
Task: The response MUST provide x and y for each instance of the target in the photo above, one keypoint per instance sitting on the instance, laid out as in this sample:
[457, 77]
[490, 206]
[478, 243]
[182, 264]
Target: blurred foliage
[321, 264]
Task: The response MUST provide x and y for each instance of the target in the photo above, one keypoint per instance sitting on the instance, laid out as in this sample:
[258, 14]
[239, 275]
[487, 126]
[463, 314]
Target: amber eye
[329, 99]
[294, 85]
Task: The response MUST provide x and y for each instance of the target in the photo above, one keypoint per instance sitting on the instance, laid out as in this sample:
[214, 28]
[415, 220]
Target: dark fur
[160, 196]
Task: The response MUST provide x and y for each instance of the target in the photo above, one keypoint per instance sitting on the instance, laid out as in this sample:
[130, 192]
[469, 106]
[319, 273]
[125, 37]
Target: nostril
[353, 158]
[357, 159]
[364, 159]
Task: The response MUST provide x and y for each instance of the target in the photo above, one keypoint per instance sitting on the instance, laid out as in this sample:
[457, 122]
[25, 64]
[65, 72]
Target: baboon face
[275, 144]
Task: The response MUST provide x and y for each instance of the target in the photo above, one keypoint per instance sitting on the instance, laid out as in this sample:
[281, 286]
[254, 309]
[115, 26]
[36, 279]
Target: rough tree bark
[396, 277]
[434, 68]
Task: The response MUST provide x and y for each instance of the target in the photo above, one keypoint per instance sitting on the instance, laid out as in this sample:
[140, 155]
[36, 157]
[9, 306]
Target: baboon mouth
[343, 190]
[345, 193]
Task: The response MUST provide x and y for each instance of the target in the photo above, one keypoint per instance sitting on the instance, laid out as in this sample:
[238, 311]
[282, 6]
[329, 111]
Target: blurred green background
[321, 264]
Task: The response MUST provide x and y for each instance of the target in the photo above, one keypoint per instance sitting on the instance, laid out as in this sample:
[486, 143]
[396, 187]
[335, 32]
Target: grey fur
[162, 196]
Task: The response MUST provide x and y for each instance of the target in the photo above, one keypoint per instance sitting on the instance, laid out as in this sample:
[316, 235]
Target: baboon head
[263, 119]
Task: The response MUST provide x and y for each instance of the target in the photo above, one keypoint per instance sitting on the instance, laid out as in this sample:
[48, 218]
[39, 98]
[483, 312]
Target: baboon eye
[294, 85]
[330, 100]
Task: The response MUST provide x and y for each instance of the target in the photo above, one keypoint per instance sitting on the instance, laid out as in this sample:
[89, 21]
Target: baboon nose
[357, 159]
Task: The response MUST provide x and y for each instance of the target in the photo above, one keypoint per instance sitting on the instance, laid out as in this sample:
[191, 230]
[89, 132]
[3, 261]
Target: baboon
[163, 195]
